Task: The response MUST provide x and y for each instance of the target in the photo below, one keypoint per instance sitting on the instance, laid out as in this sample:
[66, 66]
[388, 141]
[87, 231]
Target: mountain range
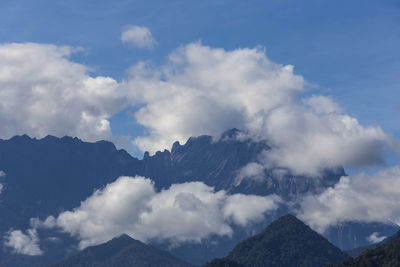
[47, 176]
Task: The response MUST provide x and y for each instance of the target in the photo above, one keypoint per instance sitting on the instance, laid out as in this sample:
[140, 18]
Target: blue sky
[347, 49]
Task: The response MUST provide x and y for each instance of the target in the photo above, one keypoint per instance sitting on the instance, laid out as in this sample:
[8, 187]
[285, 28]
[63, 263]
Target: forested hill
[285, 242]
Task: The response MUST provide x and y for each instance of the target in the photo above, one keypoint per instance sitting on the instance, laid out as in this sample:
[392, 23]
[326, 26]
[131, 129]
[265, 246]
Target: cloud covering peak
[204, 90]
[199, 90]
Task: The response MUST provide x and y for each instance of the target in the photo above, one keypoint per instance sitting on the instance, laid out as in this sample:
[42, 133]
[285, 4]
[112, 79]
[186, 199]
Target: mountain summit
[286, 242]
[123, 251]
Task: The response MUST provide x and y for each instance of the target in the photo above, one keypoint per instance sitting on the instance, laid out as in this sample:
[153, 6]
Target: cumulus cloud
[186, 212]
[375, 238]
[199, 90]
[138, 36]
[27, 244]
[356, 198]
[306, 141]
[203, 90]
[42, 92]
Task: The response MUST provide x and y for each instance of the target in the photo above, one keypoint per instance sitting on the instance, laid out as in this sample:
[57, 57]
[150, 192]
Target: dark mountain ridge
[50, 175]
[122, 251]
[285, 242]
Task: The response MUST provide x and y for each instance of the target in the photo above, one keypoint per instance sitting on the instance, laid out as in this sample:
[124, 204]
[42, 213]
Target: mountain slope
[286, 242]
[51, 174]
[218, 162]
[385, 255]
[120, 252]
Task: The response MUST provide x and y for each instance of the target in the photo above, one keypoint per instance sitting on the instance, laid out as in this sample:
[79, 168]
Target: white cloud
[42, 92]
[200, 90]
[27, 244]
[203, 90]
[138, 36]
[252, 171]
[375, 238]
[356, 198]
[306, 141]
[186, 212]
[242, 209]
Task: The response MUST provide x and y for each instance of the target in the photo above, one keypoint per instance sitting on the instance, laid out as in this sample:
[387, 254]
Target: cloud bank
[199, 90]
[203, 90]
[186, 212]
[138, 36]
[356, 198]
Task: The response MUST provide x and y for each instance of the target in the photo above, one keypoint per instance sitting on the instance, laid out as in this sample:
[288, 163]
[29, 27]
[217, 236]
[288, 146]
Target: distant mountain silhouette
[122, 251]
[285, 242]
[386, 254]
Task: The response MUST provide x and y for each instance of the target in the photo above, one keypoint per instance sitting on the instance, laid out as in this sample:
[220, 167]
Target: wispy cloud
[26, 244]
[375, 238]
[2, 174]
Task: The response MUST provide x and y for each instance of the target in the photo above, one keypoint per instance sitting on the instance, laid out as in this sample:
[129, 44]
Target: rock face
[123, 251]
[218, 162]
[286, 242]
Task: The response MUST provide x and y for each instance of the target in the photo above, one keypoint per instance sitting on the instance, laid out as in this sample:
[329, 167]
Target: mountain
[385, 255]
[120, 252]
[224, 263]
[285, 242]
[217, 163]
[50, 175]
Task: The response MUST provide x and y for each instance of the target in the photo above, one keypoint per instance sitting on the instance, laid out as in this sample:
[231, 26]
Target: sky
[320, 80]
[346, 50]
